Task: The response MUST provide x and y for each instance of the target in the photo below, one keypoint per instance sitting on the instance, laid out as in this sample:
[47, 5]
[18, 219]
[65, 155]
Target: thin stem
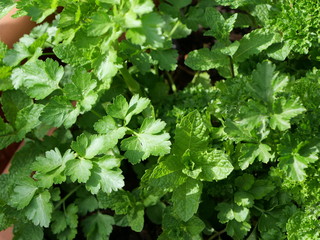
[173, 86]
[96, 113]
[48, 54]
[132, 84]
[66, 197]
[174, 28]
[231, 67]
[217, 234]
[259, 209]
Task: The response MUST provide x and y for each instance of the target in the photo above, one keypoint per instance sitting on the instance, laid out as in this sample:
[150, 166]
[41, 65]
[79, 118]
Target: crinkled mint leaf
[39, 78]
[149, 141]
[204, 59]
[186, 199]
[191, 133]
[253, 43]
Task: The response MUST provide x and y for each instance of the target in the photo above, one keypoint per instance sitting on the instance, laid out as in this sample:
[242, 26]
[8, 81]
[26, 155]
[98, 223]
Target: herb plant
[175, 119]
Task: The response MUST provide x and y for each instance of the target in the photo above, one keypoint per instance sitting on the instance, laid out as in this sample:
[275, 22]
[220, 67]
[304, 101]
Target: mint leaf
[39, 210]
[186, 199]
[98, 226]
[105, 175]
[253, 43]
[204, 59]
[39, 78]
[149, 141]
[191, 133]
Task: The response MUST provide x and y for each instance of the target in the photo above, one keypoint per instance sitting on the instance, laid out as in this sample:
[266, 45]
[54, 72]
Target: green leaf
[39, 210]
[105, 175]
[244, 199]
[136, 105]
[119, 107]
[284, 110]
[61, 221]
[79, 169]
[25, 231]
[23, 193]
[100, 24]
[150, 33]
[149, 141]
[252, 44]
[238, 230]
[245, 181]
[266, 82]
[173, 7]
[82, 90]
[261, 188]
[167, 59]
[97, 226]
[40, 10]
[107, 65]
[186, 199]
[50, 168]
[12, 102]
[191, 133]
[90, 145]
[5, 7]
[204, 59]
[231, 211]
[59, 111]
[39, 78]
[27, 119]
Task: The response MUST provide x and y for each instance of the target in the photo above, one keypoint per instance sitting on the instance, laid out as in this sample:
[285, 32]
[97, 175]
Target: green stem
[217, 234]
[96, 113]
[66, 197]
[231, 67]
[259, 209]
[174, 28]
[133, 85]
[173, 86]
[48, 54]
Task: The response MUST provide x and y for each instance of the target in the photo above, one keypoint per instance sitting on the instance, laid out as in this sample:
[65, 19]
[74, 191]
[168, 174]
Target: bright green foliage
[201, 117]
